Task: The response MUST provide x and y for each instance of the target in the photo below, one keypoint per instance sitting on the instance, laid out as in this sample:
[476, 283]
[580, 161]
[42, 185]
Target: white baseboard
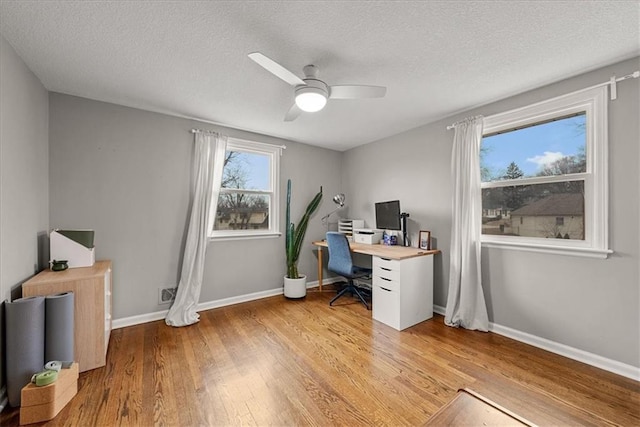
[159, 315]
[610, 365]
[241, 298]
[138, 320]
[570, 352]
[325, 281]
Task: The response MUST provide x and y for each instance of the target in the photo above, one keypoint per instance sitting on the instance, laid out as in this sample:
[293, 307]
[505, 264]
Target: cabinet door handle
[385, 269]
[386, 259]
[384, 278]
[385, 289]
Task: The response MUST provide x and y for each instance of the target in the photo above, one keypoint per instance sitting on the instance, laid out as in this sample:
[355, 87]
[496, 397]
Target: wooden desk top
[384, 251]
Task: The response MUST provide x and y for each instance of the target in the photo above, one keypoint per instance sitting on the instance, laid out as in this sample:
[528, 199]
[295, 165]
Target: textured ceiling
[436, 58]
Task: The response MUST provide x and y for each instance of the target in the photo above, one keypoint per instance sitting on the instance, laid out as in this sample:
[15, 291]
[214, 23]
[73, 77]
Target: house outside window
[544, 168]
[247, 206]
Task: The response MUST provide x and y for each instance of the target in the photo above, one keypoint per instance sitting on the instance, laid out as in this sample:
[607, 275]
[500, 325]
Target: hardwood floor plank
[203, 355]
[222, 382]
[126, 407]
[310, 363]
[266, 404]
[281, 362]
[344, 363]
[161, 372]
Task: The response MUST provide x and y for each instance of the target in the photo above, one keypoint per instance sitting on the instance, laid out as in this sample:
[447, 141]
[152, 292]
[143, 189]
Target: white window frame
[593, 102]
[273, 152]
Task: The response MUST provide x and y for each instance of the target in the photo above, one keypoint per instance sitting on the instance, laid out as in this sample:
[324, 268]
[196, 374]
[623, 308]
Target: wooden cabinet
[91, 287]
[402, 290]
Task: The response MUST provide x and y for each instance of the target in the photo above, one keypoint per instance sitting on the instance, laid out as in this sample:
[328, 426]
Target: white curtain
[465, 304]
[208, 164]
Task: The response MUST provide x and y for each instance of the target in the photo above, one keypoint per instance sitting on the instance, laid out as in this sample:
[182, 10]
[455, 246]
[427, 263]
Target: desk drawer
[386, 263]
[386, 272]
[386, 282]
[386, 306]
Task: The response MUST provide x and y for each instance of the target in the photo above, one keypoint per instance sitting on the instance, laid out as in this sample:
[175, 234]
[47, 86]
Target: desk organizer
[74, 246]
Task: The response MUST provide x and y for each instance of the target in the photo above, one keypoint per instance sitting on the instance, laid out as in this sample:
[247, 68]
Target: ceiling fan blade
[355, 91]
[276, 69]
[293, 113]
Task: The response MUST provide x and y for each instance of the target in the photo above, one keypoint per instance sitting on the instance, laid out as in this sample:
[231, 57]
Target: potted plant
[295, 285]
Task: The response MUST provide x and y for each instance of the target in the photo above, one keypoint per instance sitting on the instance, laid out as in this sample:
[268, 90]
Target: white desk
[402, 282]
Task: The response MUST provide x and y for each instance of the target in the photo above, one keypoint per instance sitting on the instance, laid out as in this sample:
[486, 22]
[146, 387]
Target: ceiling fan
[311, 93]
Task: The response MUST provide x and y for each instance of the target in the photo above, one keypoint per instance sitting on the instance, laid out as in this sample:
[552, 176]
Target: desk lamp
[338, 199]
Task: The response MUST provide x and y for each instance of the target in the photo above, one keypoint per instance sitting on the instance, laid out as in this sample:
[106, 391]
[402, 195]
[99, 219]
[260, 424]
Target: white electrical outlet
[166, 295]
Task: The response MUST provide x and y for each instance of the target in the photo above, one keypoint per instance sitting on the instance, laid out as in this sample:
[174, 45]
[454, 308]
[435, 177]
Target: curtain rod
[203, 131]
[194, 130]
[451, 126]
[612, 82]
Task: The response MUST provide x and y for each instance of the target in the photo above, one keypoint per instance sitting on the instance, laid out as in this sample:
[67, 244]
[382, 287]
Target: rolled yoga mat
[58, 330]
[25, 343]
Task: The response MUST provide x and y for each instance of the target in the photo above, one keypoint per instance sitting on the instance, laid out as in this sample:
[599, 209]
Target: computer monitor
[388, 215]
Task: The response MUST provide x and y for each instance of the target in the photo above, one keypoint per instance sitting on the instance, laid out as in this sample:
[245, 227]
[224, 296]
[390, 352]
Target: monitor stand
[403, 217]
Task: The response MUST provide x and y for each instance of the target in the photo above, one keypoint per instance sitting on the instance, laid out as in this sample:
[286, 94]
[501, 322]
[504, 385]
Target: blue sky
[533, 147]
[257, 167]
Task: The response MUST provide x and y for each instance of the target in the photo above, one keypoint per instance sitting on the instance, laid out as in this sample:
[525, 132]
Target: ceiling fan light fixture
[311, 99]
[311, 94]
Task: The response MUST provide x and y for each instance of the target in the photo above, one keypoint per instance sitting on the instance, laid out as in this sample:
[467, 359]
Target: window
[544, 170]
[248, 202]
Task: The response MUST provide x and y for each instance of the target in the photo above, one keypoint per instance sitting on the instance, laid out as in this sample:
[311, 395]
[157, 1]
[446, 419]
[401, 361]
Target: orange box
[44, 403]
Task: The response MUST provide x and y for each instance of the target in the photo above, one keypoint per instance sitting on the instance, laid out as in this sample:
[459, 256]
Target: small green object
[59, 265]
[45, 378]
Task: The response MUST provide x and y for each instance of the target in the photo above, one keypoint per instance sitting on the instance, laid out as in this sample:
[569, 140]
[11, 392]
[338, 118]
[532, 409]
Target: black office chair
[340, 262]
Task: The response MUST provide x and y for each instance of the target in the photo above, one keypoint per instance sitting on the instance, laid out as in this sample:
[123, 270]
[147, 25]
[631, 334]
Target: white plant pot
[295, 288]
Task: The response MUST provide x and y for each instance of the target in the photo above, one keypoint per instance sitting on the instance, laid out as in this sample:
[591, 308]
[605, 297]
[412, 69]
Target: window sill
[244, 236]
[549, 249]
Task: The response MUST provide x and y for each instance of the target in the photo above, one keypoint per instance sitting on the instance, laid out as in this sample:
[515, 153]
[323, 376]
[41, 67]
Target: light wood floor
[282, 362]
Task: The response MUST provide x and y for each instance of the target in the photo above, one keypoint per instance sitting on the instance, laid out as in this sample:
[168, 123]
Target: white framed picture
[424, 240]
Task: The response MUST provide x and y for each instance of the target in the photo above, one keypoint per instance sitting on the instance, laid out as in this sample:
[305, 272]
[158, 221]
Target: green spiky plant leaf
[295, 235]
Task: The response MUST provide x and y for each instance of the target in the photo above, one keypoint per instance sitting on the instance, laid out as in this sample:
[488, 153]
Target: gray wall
[126, 174]
[588, 304]
[24, 175]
